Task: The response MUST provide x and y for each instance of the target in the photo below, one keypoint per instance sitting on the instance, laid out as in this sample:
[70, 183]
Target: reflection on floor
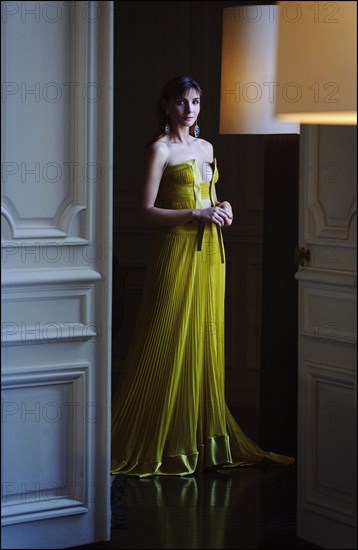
[252, 507]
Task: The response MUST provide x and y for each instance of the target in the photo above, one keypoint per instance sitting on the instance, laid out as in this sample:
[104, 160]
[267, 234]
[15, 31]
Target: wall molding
[318, 377]
[77, 157]
[325, 277]
[33, 277]
[22, 501]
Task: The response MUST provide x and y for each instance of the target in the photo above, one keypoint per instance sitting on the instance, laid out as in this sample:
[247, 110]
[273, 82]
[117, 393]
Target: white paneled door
[327, 371]
[56, 272]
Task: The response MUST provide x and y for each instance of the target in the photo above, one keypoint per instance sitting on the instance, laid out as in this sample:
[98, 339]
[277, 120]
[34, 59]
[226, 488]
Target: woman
[169, 414]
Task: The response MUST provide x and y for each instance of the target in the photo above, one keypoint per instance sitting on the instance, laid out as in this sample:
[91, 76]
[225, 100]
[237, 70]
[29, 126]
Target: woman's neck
[181, 135]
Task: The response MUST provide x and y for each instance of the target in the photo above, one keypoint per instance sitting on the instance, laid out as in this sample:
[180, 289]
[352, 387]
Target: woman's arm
[154, 166]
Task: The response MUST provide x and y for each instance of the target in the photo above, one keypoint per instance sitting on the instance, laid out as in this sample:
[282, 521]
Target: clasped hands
[221, 214]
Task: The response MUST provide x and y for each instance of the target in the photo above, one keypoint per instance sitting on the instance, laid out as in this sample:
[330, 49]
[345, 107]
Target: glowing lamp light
[317, 62]
[248, 72]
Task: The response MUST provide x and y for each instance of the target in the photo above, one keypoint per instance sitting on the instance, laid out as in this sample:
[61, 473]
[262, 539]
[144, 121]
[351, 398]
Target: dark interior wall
[279, 342]
[155, 41]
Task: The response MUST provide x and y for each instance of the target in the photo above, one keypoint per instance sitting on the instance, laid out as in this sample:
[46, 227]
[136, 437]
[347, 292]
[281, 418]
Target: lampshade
[248, 66]
[317, 62]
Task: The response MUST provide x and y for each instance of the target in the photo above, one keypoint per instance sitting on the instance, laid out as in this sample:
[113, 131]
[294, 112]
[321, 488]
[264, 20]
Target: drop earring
[167, 127]
[196, 129]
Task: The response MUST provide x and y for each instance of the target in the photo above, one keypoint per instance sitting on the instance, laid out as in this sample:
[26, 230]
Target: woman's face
[184, 110]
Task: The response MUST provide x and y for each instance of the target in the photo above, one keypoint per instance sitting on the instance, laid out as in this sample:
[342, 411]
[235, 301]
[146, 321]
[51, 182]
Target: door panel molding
[25, 401]
[327, 336]
[330, 397]
[56, 274]
[330, 314]
[330, 175]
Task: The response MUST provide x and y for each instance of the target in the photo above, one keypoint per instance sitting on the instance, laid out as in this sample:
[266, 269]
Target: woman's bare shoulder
[206, 146]
[157, 152]
[158, 147]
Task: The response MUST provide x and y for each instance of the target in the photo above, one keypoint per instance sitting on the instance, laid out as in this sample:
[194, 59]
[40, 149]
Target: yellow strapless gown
[169, 415]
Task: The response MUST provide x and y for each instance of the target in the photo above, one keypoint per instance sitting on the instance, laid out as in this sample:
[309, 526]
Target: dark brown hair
[175, 87]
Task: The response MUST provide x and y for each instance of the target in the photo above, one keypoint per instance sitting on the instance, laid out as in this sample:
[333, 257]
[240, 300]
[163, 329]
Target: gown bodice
[180, 186]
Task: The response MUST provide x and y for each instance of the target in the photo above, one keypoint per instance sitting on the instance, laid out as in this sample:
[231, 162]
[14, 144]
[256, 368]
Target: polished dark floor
[253, 507]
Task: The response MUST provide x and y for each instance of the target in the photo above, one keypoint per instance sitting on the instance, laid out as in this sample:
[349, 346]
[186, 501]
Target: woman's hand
[220, 215]
[227, 207]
